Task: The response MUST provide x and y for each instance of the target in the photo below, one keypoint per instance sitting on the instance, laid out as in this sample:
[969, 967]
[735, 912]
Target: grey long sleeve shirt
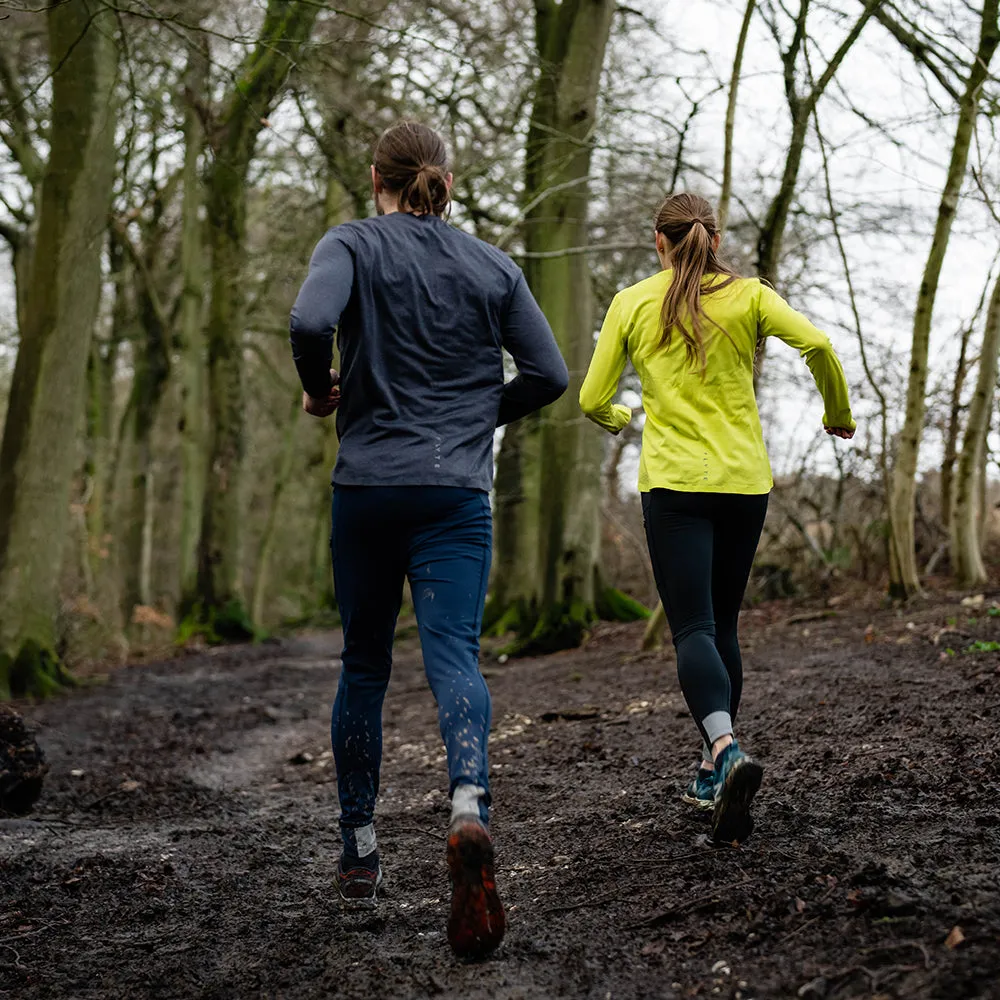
[422, 312]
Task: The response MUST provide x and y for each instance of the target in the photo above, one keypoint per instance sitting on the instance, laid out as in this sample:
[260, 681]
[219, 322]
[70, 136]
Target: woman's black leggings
[702, 547]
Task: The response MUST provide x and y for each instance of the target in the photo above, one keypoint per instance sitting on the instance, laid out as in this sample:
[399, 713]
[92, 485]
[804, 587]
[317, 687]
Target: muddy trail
[186, 842]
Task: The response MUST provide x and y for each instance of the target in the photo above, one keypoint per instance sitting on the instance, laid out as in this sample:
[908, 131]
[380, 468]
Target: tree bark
[953, 430]
[191, 342]
[98, 488]
[38, 456]
[151, 372]
[734, 85]
[904, 581]
[219, 604]
[967, 511]
[262, 573]
[550, 519]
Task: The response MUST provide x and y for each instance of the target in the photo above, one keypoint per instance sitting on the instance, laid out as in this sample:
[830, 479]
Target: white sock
[465, 801]
[364, 839]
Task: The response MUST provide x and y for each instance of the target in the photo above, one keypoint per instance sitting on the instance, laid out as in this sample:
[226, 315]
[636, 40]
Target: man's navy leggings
[702, 547]
[439, 537]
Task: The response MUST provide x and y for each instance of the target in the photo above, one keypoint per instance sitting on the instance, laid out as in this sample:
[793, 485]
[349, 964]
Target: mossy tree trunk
[218, 602]
[905, 579]
[190, 340]
[38, 456]
[149, 381]
[267, 538]
[967, 512]
[549, 476]
[98, 463]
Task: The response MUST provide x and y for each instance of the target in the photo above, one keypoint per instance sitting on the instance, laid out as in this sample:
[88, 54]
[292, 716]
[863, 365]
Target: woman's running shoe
[737, 780]
[477, 922]
[358, 885]
[701, 792]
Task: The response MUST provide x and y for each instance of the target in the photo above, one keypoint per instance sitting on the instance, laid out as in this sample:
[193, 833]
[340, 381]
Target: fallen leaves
[955, 938]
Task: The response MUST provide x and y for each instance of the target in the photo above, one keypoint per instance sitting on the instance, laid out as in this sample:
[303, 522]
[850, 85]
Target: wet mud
[185, 842]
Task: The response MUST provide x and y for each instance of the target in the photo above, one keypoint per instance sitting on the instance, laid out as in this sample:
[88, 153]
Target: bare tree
[548, 477]
[905, 577]
[38, 456]
[968, 511]
[218, 603]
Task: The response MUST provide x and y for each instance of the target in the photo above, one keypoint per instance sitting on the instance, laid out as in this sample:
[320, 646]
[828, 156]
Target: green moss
[35, 672]
[615, 606]
[230, 623]
[518, 617]
[563, 626]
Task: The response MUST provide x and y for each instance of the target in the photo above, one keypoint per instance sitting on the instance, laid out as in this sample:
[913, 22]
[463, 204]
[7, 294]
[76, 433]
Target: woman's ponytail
[688, 223]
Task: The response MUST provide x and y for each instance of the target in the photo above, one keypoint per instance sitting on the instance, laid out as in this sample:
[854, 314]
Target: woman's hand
[323, 407]
[841, 432]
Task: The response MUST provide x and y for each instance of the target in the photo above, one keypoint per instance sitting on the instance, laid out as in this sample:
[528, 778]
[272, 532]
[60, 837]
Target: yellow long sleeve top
[704, 435]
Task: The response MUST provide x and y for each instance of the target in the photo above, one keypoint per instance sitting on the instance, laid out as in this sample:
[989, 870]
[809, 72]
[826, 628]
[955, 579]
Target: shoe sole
[477, 922]
[731, 820]
[703, 804]
[362, 902]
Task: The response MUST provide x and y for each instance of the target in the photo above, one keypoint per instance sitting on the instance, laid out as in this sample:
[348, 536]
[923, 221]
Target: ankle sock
[469, 800]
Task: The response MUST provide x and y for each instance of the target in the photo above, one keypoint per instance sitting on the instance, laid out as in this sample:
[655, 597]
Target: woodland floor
[180, 852]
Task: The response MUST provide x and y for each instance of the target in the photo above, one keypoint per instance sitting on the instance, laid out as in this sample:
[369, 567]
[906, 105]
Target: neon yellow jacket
[704, 436]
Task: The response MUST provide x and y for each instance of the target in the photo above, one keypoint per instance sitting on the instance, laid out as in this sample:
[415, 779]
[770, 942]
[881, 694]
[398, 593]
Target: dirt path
[177, 851]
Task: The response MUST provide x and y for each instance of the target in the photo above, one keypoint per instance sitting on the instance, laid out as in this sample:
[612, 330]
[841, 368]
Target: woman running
[423, 312]
[691, 332]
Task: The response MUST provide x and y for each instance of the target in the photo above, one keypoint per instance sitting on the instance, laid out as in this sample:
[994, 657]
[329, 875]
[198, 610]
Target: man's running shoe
[701, 792]
[477, 922]
[358, 886]
[737, 780]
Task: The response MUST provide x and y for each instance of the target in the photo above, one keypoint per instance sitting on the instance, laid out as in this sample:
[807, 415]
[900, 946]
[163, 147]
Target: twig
[656, 919]
[418, 829]
[901, 944]
[801, 927]
[596, 901]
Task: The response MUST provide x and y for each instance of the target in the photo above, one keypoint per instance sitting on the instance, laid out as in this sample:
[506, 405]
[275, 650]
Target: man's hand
[841, 432]
[323, 407]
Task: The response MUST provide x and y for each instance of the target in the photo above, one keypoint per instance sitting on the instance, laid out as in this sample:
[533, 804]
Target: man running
[691, 332]
[423, 312]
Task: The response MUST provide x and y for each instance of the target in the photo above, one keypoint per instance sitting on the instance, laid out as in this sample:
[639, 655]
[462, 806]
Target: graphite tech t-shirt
[422, 312]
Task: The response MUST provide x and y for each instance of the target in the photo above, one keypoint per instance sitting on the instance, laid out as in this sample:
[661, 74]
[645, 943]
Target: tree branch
[920, 51]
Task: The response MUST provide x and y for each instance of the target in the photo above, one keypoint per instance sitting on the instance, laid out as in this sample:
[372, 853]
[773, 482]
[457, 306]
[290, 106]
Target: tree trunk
[267, 536]
[905, 581]
[322, 565]
[549, 480]
[39, 451]
[968, 510]
[97, 471]
[218, 605]
[953, 429]
[152, 369]
[191, 368]
[734, 84]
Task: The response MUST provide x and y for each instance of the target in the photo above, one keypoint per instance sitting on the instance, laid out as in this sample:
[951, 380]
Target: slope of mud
[178, 851]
